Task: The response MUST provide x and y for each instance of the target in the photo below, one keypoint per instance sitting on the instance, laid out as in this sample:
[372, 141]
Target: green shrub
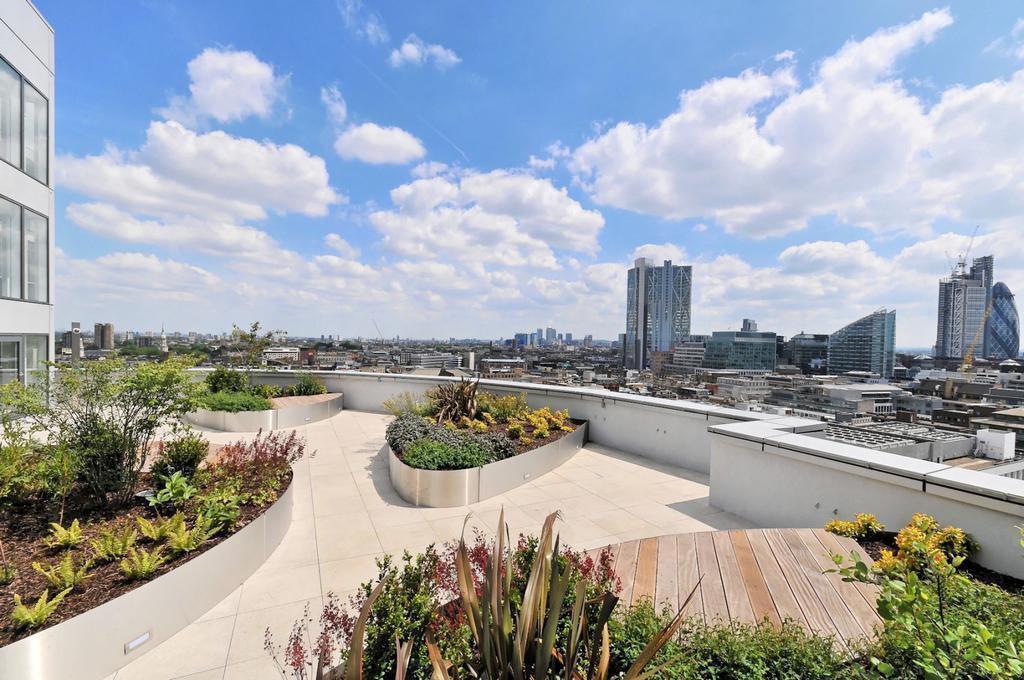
[504, 408]
[499, 444]
[68, 538]
[234, 402]
[66, 574]
[404, 430]
[307, 386]
[141, 564]
[864, 527]
[222, 507]
[111, 545]
[176, 491]
[265, 391]
[407, 402]
[8, 572]
[223, 379]
[427, 454]
[26, 618]
[183, 454]
[159, 529]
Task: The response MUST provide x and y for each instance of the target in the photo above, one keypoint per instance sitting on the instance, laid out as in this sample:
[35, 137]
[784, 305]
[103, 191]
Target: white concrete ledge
[271, 419]
[451, 488]
[94, 644]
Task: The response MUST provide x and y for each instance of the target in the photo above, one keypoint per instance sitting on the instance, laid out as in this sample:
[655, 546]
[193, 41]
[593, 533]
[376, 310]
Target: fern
[111, 546]
[159, 529]
[66, 575]
[182, 540]
[65, 538]
[24, 617]
[142, 564]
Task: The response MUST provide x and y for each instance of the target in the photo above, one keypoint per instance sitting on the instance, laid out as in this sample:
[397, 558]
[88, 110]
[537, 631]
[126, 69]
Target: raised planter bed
[291, 415]
[450, 488]
[98, 642]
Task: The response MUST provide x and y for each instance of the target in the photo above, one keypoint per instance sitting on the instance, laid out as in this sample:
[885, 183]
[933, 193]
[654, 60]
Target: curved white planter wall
[451, 488]
[94, 643]
[273, 419]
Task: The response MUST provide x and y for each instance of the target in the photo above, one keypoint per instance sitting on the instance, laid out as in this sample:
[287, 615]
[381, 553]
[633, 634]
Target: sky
[479, 169]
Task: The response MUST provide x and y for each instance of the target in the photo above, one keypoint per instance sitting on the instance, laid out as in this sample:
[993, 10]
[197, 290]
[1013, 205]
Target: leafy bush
[427, 454]
[222, 507]
[109, 412]
[182, 454]
[499, 444]
[112, 545]
[235, 402]
[141, 564]
[66, 574]
[307, 385]
[19, 455]
[182, 540]
[223, 379]
[265, 391]
[404, 430]
[67, 538]
[26, 618]
[159, 529]
[258, 467]
[8, 572]
[176, 491]
[864, 527]
[504, 408]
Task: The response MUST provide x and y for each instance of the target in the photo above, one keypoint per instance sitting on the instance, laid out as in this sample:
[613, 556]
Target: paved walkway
[346, 515]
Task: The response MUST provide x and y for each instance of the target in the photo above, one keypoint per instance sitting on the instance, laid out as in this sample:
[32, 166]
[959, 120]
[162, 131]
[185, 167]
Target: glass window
[36, 356]
[36, 257]
[10, 249]
[36, 139]
[10, 114]
[9, 360]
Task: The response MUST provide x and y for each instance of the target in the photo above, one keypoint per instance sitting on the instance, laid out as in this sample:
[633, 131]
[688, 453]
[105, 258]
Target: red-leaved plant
[258, 466]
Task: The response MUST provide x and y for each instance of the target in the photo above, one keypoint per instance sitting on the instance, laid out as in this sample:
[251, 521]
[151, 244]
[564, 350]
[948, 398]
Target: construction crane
[968, 363]
[379, 334]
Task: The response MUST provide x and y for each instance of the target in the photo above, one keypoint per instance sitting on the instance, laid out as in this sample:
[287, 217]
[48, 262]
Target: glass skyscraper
[1002, 334]
[867, 344]
[657, 309]
[963, 298]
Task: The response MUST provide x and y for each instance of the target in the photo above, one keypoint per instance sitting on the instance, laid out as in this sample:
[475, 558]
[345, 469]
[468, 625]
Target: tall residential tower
[657, 309]
[26, 192]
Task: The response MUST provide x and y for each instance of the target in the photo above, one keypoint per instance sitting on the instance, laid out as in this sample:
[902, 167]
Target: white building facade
[26, 190]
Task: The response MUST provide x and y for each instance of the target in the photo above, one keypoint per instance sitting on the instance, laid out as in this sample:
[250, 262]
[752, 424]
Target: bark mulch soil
[24, 529]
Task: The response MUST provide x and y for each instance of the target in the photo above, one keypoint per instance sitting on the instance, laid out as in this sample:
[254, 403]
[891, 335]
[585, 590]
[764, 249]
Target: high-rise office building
[1003, 329]
[657, 309]
[550, 336]
[26, 192]
[568, 338]
[749, 326]
[963, 298]
[540, 337]
[867, 344]
[740, 350]
[103, 335]
[522, 339]
[808, 352]
[588, 340]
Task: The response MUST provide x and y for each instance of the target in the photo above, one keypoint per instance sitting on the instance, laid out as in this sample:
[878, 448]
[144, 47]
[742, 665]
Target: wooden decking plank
[666, 590]
[688, 574]
[848, 545]
[776, 582]
[844, 621]
[712, 589]
[646, 570]
[867, 592]
[625, 567]
[757, 590]
[732, 580]
[814, 612]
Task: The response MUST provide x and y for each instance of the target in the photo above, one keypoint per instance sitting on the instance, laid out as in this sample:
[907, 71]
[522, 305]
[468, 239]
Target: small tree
[108, 413]
[252, 342]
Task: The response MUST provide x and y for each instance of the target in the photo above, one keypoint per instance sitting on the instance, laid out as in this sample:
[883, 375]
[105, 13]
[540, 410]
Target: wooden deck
[749, 576]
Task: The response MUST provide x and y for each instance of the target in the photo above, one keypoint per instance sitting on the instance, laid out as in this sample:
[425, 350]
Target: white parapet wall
[780, 478]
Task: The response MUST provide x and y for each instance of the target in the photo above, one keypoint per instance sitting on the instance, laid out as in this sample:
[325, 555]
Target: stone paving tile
[346, 515]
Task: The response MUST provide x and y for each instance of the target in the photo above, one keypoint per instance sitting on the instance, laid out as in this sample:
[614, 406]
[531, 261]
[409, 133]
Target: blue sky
[494, 168]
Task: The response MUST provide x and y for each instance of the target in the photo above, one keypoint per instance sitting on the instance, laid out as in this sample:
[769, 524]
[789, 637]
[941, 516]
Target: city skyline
[419, 176]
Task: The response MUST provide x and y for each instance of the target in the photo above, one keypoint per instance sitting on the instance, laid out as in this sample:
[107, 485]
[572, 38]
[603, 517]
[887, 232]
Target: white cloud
[413, 51]
[337, 109]
[372, 143]
[785, 55]
[132, 278]
[762, 155]
[337, 243]
[429, 169]
[496, 217]
[226, 86]
[212, 175]
[541, 163]
[364, 24]
[659, 252]
[700, 227]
